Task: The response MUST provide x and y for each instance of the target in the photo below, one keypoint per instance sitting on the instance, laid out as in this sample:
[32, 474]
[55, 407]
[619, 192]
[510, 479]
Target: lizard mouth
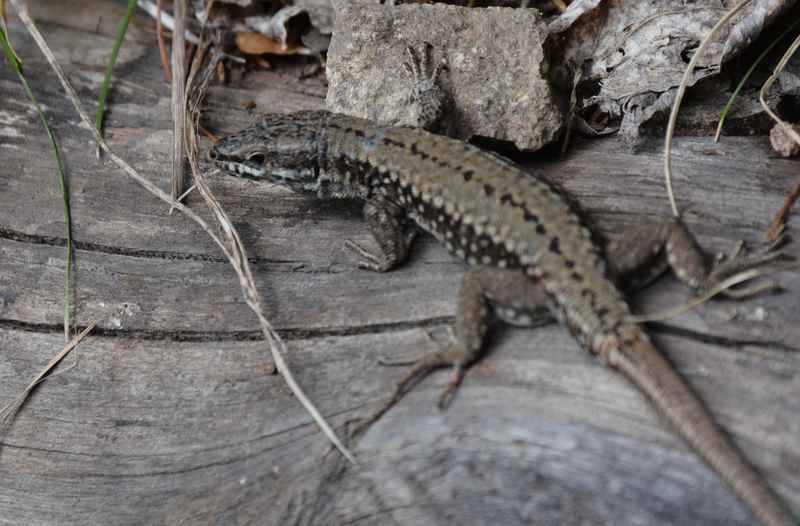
[251, 167]
[241, 168]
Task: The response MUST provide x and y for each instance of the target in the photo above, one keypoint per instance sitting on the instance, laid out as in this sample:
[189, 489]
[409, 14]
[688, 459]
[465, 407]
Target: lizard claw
[740, 261]
[422, 366]
[367, 259]
[450, 390]
[426, 93]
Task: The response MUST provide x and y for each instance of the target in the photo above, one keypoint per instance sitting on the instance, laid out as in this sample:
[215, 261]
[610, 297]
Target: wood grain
[169, 414]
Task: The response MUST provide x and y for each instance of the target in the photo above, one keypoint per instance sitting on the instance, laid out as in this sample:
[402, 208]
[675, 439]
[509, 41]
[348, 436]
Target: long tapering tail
[658, 380]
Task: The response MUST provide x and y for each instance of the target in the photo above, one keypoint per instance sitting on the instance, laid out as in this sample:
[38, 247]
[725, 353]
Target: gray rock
[782, 142]
[496, 78]
[789, 78]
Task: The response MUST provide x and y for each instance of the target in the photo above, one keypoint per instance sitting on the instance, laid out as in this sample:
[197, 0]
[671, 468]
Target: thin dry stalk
[721, 287]
[10, 409]
[162, 45]
[167, 21]
[235, 255]
[779, 223]
[573, 104]
[780, 219]
[768, 84]
[673, 116]
[178, 97]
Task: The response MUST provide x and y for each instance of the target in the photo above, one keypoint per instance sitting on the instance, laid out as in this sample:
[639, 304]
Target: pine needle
[10, 409]
[673, 116]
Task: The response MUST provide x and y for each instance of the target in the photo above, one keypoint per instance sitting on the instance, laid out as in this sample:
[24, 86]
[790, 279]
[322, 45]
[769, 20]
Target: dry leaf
[256, 44]
[759, 15]
[573, 12]
[634, 54]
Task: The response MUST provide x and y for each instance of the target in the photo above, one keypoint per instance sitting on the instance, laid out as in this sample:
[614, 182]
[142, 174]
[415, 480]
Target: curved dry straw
[673, 116]
[231, 247]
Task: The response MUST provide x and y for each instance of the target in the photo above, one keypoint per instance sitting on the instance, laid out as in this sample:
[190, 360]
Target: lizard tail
[673, 398]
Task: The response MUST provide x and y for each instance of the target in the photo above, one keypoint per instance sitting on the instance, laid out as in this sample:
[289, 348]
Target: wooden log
[169, 414]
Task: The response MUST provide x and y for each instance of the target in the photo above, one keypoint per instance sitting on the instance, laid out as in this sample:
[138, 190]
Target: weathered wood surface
[169, 414]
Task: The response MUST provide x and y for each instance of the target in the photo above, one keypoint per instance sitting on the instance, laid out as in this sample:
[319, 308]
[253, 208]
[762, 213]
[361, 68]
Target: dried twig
[166, 19]
[721, 287]
[178, 97]
[573, 104]
[779, 223]
[234, 252]
[673, 116]
[768, 84]
[162, 45]
[169, 22]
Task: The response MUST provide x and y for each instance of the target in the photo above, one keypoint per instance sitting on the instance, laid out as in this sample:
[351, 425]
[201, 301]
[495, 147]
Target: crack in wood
[296, 334]
[719, 341]
[288, 334]
[21, 237]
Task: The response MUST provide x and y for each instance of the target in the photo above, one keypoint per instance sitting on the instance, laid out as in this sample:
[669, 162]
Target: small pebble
[782, 143]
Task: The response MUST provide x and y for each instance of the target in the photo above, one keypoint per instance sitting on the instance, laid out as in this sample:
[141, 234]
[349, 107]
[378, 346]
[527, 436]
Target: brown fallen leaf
[254, 43]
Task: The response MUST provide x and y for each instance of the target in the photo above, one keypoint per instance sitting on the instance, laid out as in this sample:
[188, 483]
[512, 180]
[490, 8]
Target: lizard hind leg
[672, 245]
[703, 272]
[740, 261]
[481, 289]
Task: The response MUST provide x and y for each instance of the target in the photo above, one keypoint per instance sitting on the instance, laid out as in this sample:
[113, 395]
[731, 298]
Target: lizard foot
[366, 258]
[426, 93]
[383, 260]
[740, 261]
[453, 356]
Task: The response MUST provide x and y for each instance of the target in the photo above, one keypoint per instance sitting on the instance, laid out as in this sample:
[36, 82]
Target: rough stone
[783, 143]
[497, 76]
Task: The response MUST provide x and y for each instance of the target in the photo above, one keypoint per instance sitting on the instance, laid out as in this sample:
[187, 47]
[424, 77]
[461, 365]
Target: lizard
[525, 244]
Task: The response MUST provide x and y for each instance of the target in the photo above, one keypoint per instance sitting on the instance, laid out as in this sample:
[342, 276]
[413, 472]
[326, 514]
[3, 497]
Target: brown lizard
[525, 245]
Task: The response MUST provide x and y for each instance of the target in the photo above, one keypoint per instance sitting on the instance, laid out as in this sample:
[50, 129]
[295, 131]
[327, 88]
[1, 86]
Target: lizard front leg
[389, 228]
[428, 98]
[481, 290]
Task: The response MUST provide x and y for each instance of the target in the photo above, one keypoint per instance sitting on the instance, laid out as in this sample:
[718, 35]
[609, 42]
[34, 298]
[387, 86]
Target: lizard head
[282, 149]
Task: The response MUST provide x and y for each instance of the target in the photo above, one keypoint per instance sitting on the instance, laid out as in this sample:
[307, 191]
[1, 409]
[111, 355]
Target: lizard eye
[257, 158]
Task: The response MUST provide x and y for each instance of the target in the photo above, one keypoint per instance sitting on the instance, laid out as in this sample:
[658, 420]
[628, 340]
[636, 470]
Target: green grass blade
[121, 30]
[749, 72]
[12, 59]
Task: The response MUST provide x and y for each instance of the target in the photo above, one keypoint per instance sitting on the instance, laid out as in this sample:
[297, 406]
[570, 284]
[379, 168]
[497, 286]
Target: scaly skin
[524, 242]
